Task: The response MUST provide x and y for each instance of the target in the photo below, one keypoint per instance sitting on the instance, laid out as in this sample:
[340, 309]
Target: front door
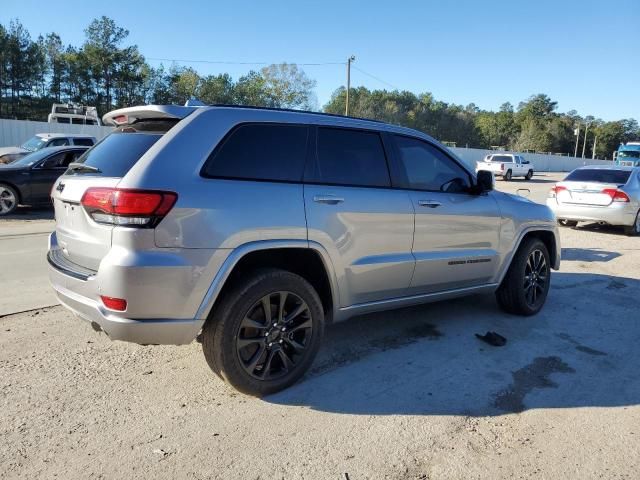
[366, 226]
[456, 232]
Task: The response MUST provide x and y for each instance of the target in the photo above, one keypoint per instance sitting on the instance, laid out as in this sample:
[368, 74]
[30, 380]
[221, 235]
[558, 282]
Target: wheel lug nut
[284, 328]
[270, 344]
[275, 324]
[280, 341]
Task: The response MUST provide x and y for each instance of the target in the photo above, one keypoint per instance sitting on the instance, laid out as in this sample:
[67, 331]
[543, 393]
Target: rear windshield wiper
[79, 167]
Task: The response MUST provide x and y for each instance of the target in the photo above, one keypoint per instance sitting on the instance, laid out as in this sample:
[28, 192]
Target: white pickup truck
[506, 165]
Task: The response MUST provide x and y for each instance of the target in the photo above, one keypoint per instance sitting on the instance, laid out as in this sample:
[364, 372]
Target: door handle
[429, 203]
[328, 199]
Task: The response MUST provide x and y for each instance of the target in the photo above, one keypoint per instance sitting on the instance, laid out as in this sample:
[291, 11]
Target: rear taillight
[132, 208]
[502, 166]
[616, 195]
[553, 193]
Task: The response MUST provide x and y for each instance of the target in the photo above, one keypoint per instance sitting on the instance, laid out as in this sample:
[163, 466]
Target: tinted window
[83, 141]
[261, 152]
[349, 157]
[428, 168]
[599, 176]
[58, 142]
[501, 158]
[61, 160]
[117, 153]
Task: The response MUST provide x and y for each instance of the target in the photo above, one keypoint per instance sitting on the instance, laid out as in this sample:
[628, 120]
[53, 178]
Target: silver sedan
[607, 195]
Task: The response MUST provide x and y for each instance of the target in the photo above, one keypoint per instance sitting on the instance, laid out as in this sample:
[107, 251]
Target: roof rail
[293, 111]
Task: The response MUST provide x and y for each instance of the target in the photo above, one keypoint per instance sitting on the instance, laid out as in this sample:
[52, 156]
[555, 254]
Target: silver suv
[253, 229]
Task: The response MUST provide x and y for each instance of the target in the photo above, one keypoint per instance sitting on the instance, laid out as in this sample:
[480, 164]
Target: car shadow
[579, 351]
[596, 227]
[532, 180]
[31, 213]
[588, 255]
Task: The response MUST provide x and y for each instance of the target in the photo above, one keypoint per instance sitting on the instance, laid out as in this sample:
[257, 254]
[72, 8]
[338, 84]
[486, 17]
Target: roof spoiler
[129, 115]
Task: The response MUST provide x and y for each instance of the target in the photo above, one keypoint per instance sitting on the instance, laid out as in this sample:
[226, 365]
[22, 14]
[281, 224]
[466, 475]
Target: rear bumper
[79, 291]
[614, 214]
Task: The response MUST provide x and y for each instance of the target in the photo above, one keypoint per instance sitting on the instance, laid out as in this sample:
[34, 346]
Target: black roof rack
[292, 110]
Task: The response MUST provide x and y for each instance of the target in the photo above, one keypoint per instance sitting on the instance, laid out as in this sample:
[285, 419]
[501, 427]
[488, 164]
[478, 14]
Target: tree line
[106, 73]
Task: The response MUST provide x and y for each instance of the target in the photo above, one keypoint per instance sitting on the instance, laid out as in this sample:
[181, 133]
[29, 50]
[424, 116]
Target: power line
[223, 62]
[376, 78]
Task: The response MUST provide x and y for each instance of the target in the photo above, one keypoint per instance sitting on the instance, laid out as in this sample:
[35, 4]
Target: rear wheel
[634, 229]
[567, 223]
[529, 175]
[526, 284]
[265, 333]
[8, 199]
[507, 176]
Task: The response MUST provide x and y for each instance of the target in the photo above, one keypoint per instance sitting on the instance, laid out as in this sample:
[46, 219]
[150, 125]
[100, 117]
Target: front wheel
[265, 333]
[507, 176]
[8, 199]
[529, 175]
[524, 288]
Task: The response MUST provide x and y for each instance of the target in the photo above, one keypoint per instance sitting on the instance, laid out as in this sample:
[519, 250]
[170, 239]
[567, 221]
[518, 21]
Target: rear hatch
[591, 187]
[82, 240]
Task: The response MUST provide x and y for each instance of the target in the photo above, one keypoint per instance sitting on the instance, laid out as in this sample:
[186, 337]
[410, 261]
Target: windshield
[29, 159]
[619, 177]
[34, 143]
[629, 154]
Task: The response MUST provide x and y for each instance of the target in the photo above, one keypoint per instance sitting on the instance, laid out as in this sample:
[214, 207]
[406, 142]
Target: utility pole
[595, 142]
[352, 58]
[584, 144]
[576, 132]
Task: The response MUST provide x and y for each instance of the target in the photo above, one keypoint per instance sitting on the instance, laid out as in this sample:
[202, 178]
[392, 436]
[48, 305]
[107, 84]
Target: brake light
[616, 195]
[134, 208]
[502, 166]
[553, 193]
[118, 304]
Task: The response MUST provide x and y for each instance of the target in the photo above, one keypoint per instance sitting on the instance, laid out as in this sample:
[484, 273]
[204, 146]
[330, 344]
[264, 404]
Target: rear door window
[116, 154]
[58, 142]
[261, 151]
[349, 157]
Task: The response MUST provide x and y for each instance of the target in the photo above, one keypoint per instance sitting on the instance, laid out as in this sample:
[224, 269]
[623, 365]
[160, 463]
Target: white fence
[540, 162]
[16, 132]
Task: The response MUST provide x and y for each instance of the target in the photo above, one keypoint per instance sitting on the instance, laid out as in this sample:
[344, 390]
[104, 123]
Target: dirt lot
[405, 394]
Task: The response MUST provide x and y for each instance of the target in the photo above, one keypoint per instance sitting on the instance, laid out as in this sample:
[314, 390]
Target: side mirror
[484, 181]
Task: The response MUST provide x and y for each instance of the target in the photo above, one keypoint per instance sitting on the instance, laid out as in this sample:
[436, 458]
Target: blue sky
[583, 54]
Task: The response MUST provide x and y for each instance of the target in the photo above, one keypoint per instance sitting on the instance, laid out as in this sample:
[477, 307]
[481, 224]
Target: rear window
[599, 176]
[116, 154]
[501, 158]
[261, 152]
[349, 157]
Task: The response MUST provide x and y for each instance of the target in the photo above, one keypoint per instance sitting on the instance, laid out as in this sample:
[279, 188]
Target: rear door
[366, 226]
[44, 175]
[456, 233]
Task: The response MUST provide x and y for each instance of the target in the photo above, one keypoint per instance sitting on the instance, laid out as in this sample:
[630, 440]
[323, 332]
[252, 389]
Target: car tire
[507, 176]
[256, 354]
[524, 289]
[8, 199]
[567, 223]
[529, 175]
[634, 230]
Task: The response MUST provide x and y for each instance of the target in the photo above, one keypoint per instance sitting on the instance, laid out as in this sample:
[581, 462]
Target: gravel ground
[403, 394]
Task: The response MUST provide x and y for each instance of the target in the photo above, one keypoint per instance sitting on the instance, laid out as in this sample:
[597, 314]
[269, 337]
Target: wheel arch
[547, 235]
[15, 187]
[307, 259]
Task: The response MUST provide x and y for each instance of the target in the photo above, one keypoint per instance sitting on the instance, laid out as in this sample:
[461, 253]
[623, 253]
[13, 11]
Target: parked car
[44, 140]
[28, 181]
[274, 224]
[604, 194]
[506, 165]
